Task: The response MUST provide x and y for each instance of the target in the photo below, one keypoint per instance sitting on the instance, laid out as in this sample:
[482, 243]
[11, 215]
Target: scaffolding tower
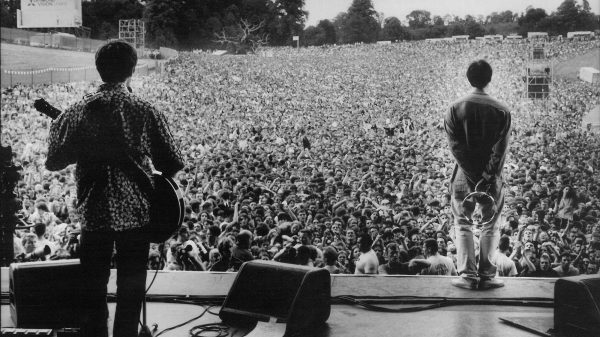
[133, 31]
[539, 74]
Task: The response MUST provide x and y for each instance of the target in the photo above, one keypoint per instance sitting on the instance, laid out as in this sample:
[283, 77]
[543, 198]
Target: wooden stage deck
[347, 320]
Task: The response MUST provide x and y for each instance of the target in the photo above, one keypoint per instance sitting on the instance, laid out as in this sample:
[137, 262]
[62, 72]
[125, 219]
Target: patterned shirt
[98, 134]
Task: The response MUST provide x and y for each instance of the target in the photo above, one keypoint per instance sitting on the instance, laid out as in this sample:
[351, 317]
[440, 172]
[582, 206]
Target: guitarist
[99, 134]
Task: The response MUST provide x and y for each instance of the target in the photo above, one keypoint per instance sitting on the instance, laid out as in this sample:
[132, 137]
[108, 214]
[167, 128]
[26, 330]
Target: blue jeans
[95, 255]
[489, 237]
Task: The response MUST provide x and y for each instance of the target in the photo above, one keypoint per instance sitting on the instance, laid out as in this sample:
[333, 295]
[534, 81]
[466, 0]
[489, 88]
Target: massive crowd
[296, 155]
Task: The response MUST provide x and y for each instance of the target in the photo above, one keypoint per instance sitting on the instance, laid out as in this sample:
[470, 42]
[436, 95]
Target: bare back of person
[367, 263]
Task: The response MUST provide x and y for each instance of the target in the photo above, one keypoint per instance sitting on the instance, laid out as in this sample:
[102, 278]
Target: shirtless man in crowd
[367, 262]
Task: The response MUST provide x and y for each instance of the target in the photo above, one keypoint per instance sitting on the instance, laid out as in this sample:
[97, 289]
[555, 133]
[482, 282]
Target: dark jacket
[478, 130]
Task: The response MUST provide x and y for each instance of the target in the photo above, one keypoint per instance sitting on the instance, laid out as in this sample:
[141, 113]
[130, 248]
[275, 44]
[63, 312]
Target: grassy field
[570, 68]
[17, 57]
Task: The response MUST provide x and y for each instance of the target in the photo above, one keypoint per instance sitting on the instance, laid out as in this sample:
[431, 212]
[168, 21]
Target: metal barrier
[59, 75]
[38, 39]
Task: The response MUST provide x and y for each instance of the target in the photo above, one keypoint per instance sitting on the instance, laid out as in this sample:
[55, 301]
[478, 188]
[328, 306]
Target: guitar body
[167, 209]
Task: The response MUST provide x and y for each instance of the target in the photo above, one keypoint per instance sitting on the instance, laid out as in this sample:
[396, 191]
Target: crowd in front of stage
[319, 157]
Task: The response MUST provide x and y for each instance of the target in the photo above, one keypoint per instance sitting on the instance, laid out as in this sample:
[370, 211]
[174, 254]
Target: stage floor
[350, 321]
[347, 320]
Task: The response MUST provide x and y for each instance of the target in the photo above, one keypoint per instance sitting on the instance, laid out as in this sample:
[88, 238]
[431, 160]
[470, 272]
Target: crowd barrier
[62, 75]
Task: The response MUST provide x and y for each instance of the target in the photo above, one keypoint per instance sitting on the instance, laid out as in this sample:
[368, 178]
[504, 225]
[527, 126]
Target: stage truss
[133, 31]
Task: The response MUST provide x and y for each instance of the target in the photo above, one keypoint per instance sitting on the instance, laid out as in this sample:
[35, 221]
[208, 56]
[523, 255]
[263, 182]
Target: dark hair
[571, 194]
[115, 61]
[504, 243]
[183, 230]
[431, 246]
[303, 255]
[214, 230]
[479, 74]
[365, 242]
[39, 229]
[243, 239]
[330, 256]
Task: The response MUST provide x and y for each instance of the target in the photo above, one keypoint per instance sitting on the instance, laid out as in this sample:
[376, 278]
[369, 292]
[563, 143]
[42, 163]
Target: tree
[474, 29]
[8, 13]
[328, 31]
[247, 38]
[162, 19]
[438, 21]
[361, 23]
[289, 20]
[102, 16]
[506, 16]
[419, 19]
[339, 22]
[530, 22]
[447, 19]
[586, 7]
[570, 16]
[393, 30]
[323, 33]
[456, 29]
[313, 36]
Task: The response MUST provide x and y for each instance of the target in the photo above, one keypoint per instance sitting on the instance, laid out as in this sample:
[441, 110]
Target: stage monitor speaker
[45, 294]
[577, 306]
[271, 291]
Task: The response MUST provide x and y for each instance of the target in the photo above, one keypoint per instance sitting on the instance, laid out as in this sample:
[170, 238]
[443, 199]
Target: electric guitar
[167, 206]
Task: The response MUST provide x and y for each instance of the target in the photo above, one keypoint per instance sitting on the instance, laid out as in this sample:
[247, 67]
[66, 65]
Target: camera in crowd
[186, 257]
[39, 254]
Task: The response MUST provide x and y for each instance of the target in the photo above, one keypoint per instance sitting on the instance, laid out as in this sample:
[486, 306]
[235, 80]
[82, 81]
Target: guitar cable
[162, 255]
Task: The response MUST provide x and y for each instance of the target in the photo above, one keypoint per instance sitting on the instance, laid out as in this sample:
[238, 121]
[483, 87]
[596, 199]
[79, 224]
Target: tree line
[361, 23]
[188, 24]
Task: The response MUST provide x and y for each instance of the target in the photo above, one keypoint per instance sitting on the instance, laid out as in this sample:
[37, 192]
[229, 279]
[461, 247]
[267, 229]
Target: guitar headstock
[46, 108]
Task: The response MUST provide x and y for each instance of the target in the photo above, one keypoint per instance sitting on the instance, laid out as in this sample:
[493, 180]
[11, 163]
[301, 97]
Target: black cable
[184, 323]
[433, 299]
[441, 302]
[162, 255]
[220, 329]
[213, 313]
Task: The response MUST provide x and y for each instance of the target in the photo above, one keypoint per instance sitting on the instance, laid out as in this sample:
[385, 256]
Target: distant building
[460, 38]
[585, 35]
[537, 36]
[496, 37]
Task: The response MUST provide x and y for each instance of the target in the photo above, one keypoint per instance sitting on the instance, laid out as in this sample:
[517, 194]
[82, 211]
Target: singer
[478, 130]
[99, 134]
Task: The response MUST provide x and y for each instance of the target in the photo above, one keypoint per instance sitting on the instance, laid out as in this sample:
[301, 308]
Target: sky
[328, 9]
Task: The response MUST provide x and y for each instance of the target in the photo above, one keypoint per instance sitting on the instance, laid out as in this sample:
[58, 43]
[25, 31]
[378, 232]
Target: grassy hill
[17, 57]
[570, 68]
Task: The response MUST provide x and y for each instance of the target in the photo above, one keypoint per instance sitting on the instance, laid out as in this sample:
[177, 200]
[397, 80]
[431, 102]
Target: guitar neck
[46, 108]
